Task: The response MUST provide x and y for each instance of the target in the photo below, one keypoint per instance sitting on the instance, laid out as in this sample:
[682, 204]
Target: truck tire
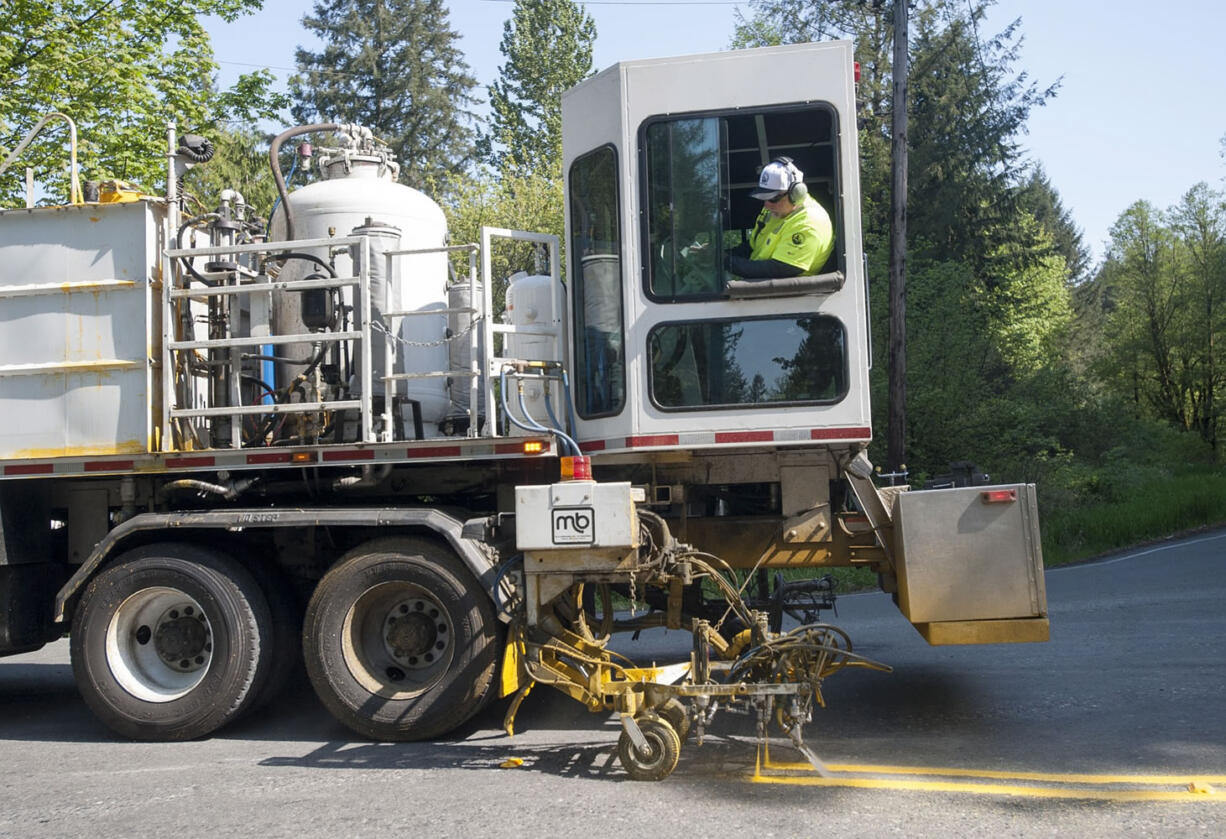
[285, 654]
[400, 642]
[171, 642]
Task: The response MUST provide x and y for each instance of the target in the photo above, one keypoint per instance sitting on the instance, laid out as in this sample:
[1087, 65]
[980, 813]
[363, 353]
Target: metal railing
[244, 281]
[484, 365]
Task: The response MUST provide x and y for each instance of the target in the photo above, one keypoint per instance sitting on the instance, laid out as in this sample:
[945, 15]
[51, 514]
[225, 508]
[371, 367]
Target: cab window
[595, 266]
[735, 362]
[698, 173]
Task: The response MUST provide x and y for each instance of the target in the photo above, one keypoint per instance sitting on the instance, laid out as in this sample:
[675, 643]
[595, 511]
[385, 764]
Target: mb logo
[574, 526]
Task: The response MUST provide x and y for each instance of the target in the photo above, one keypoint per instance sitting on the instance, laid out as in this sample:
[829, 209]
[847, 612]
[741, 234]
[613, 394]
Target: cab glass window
[595, 266]
[698, 173]
[731, 363]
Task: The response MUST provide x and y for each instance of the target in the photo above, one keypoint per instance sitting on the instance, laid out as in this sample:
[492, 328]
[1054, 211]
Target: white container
[79, 324]
[529, 304]
[358, 189]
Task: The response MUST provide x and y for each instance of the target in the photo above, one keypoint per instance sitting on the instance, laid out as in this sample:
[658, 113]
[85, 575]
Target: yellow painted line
[949, 772]
[995, 789]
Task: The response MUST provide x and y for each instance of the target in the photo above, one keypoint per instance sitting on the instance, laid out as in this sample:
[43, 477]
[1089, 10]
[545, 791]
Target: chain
[634, 606]
[378, 326]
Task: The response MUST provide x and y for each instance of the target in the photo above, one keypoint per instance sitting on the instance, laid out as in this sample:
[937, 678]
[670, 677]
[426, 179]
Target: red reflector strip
[433, 451]
[351, 454]
[840, 434]
[744, 436]
[270, 457]
[592, 446]
[108, 465]
[648, 440]
[29, 469]
[188, 462]
[999, 496]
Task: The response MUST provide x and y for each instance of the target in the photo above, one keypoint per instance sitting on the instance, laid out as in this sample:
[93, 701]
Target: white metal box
[78, 329]
[969, 554]
[575, 515]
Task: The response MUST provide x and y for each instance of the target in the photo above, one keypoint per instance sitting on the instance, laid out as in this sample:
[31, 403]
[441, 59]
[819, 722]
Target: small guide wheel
[674, 713]
[660, 757]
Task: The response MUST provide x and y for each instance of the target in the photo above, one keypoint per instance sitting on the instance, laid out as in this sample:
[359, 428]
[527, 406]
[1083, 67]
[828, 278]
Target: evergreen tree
[393, 66]
[1040, 198]
[989, 251]
[548, 49]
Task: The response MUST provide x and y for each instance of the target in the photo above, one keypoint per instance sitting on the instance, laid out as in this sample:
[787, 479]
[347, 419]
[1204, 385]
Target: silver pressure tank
[358, 186]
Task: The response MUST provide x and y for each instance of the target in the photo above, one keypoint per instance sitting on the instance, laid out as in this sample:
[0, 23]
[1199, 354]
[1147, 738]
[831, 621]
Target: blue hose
[570, 444]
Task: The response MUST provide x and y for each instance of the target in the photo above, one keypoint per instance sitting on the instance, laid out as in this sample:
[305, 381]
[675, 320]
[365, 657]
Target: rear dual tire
[400, 641]
[171, 642]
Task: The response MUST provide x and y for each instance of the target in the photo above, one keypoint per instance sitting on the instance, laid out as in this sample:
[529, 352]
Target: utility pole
[896, 439]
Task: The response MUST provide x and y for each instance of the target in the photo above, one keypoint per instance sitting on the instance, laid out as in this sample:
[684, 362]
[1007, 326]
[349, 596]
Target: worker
[792, 236]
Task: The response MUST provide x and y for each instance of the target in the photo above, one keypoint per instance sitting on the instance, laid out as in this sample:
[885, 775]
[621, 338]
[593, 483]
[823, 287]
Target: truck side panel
[76, 330]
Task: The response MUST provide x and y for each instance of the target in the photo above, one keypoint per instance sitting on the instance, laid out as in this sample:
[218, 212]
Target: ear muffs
[797, 190]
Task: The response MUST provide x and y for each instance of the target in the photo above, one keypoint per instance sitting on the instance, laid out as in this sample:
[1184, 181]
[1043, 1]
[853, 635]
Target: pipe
[74, 184]
[229, 490]
[274, 161]
[371, 476]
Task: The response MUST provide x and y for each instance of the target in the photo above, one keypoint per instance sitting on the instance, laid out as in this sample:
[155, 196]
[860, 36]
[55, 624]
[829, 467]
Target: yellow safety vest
[803, 238]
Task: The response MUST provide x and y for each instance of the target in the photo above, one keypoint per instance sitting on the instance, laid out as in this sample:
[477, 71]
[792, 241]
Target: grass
[1156, 510]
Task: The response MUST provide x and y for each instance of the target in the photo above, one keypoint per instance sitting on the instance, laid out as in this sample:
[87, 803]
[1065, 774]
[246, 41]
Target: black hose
[285, 257]
[274, 161]
[187, 260]
[195, 148]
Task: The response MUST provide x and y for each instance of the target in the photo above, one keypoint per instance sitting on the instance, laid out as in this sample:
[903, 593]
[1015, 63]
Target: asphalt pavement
[1116, 727]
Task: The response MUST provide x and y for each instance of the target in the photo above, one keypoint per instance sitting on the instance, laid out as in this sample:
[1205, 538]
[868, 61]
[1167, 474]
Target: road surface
[1117, 727]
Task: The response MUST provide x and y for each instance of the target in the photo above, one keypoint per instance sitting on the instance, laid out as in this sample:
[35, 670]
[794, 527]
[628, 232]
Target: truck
[231, 444]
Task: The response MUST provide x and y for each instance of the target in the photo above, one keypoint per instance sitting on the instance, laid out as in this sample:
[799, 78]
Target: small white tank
[529, 302]
[357, 188]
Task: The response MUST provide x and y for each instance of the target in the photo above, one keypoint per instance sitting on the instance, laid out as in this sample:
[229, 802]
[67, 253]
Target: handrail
[75, 196]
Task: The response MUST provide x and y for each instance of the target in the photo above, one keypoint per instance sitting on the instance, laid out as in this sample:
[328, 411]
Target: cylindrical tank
[529, 302]
[358, 187]
[463, 295]
[384, 297]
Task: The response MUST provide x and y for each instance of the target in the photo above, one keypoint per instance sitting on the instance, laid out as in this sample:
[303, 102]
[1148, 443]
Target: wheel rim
[159, 644]
[653, 756]
[398, 640]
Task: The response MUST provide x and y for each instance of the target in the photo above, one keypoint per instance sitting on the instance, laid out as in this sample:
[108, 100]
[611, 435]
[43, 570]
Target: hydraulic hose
[534, 426]
[274, 161]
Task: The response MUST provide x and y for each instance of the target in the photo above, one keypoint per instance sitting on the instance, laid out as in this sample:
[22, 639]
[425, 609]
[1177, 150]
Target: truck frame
[229, 446]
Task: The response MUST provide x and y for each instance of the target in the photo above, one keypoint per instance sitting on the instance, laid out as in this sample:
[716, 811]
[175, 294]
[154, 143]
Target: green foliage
[393, 66]
[1160, 506]
[1039, 198]
[1160, 299]
[120, 70]
[530, 202]
[547, 45]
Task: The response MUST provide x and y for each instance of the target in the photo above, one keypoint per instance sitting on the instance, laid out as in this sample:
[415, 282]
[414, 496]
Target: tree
[394, 67]
[976, 250]
[1040, 199]
[548, 49]
[121, 70]
[518, 202]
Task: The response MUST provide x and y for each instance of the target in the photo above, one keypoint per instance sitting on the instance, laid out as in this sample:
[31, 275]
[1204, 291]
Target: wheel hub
[415, 633]
[181, 639]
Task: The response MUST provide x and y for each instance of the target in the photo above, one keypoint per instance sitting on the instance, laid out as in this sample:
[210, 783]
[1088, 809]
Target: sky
[1140, 113]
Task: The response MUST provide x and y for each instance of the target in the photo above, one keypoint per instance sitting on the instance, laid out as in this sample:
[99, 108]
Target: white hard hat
[777, 178]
